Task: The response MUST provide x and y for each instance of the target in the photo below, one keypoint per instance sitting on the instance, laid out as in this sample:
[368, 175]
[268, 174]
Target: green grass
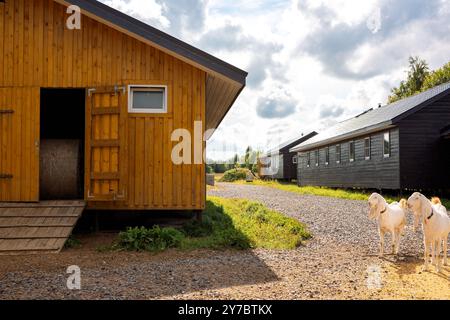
[72, 243]
[227, 223]
[326, 192]
[317, 191]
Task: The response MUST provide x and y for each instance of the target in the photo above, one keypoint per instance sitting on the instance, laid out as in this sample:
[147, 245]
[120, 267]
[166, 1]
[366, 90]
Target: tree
[236, 160]
[437, 77]
[247, 158]
[417, 74]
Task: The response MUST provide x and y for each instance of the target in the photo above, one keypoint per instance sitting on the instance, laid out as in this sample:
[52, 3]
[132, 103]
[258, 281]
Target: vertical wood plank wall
[18, 151]
[37, 51]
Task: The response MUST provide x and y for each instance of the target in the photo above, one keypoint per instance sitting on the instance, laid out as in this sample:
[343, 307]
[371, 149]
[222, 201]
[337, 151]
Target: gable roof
[225, 81]
[284, 147]
[375, 119]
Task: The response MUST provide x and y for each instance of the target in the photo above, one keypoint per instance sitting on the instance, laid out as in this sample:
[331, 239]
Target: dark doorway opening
[62, 144]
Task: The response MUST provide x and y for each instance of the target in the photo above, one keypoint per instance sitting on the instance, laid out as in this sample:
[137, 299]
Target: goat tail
[404, 204]
[436, 200]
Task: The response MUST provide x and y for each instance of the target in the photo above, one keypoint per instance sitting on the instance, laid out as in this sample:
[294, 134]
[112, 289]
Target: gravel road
[336, 264]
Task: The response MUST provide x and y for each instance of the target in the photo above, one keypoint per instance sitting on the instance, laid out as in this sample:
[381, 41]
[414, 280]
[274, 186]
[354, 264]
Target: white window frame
[327, 156]
[295, 160]
[308, 160]
[143, 87]
[338, 158]
[390, 144]
[370, 148]
[350, 151]
[317, 157]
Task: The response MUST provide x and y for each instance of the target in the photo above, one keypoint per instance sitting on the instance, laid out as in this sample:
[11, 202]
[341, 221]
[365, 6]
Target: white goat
[391, 219]
[435, 226]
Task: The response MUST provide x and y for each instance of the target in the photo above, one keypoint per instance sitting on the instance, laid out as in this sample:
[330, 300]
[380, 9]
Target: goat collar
[431, 215]
[385, 209]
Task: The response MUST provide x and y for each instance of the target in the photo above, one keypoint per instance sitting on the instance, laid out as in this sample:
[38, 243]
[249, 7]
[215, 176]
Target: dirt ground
[340, 262]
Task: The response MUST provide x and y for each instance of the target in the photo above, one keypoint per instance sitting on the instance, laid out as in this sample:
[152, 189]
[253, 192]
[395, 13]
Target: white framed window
[352, 151]
[367, 148]
[387, 145]
[317, 157]
[338, 154]
[308, 160]
[147, 99]
[295, 160]
[327, 156]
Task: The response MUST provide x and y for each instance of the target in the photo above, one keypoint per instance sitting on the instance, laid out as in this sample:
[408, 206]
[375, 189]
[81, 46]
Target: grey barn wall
[423, 153]
[378, 172]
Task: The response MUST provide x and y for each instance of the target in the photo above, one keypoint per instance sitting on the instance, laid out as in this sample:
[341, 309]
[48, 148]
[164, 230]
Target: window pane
[352, 151]
[387, 144]
[148, 99]
[367, 148]
[338, 153]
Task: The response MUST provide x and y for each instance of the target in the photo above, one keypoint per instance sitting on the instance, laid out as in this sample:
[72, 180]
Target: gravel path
[333, 265]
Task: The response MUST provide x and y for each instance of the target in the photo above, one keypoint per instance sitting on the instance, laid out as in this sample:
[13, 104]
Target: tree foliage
[419, 79]
[417, 73]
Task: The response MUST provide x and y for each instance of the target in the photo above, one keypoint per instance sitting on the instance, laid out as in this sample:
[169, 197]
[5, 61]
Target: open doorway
[62, 144]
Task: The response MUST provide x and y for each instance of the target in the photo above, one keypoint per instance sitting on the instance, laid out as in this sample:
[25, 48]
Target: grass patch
[317, 191]
[327, 192]
[72, 243]
[227, 223]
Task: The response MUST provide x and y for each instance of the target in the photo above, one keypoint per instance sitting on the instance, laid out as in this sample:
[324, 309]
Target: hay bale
[61, 169]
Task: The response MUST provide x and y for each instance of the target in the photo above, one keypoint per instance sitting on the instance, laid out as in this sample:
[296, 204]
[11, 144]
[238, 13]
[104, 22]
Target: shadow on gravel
[131, 275]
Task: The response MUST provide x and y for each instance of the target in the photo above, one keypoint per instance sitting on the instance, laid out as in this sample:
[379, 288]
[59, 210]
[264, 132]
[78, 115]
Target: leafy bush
[154, 239]
[72, 242]
[227, 223]
[235, 175]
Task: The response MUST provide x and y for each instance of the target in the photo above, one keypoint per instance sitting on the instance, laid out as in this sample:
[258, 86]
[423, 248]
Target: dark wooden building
[280, 163]
[404, 145]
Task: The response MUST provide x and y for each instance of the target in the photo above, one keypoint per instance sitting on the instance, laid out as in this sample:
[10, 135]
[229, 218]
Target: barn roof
[228, 79]
[289, 144]
[375, 119]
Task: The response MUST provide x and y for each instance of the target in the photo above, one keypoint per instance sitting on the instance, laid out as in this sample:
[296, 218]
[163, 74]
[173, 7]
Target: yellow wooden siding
[39, 51]
[18, 150]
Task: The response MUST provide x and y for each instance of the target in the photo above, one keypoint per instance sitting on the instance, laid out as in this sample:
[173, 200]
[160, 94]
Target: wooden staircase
[31, 228]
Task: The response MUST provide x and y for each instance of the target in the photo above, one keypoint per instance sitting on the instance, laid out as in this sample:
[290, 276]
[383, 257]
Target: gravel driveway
[336, 264]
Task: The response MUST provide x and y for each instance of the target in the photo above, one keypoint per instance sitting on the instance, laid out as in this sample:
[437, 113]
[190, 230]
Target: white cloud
[312, 62]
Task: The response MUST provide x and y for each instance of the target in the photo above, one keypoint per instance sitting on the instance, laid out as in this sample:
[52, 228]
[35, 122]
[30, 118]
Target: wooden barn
[86, 117]
[280, 163]
[403, 145]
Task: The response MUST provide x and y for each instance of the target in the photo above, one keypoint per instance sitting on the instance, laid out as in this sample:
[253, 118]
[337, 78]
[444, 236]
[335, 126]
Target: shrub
[235, 175]
[154, 239]
[72, 242]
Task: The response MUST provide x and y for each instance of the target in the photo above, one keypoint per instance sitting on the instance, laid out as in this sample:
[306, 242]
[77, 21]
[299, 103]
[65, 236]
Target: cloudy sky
[311, 63]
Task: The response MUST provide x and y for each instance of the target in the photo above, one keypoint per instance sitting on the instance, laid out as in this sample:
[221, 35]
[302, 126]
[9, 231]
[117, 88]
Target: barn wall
[19, 156]
[37, 51]
[289, 168]
[378, 172]
[423, 151]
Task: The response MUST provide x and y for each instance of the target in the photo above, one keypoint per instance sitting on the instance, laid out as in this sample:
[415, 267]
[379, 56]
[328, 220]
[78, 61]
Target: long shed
[403, 145]
[279, 162]
[87, 114]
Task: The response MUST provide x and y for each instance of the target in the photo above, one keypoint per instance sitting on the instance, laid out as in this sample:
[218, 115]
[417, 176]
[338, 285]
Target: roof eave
[347, 136]
[159, 39]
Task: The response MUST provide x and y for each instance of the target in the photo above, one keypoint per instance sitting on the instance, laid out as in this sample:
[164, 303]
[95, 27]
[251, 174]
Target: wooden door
[106, 155]
[19, 144]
